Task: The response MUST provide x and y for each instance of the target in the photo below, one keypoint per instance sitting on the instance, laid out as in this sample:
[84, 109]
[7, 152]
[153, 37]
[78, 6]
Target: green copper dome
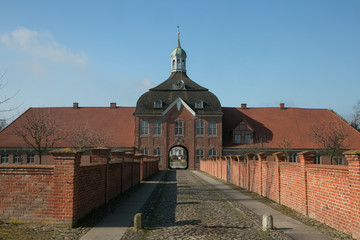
[178, 51]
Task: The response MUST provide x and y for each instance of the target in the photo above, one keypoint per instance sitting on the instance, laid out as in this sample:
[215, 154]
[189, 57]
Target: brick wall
[328, 193]
[67, 191]
[25, 192]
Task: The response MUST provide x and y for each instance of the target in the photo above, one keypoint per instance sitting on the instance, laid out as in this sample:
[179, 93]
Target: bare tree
[331, 137]
[355, 122]
[285, 144]
[82, 138]
[38, 129]
[3, 98]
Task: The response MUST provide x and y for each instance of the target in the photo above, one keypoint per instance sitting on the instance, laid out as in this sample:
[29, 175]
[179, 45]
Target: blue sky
[303, 53]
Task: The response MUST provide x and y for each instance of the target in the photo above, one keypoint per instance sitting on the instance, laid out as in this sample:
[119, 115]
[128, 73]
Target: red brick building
[181, 122]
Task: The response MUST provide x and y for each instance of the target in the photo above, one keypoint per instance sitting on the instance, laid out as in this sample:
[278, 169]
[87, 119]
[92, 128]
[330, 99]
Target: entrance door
[178, 158]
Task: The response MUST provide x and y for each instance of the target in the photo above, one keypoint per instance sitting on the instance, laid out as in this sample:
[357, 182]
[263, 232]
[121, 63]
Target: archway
[178, 158]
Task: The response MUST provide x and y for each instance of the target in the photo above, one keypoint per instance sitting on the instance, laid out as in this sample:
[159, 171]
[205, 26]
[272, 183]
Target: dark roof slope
[118, 124]
[274, 125]
[166, 92]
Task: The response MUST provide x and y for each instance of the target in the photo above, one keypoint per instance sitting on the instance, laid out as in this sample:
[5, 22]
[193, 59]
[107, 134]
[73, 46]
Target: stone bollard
[267, 222]
[138, 221]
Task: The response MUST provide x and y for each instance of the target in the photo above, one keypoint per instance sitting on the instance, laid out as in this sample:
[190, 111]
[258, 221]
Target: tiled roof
[274, 125]
[118, 124]
[168, 94]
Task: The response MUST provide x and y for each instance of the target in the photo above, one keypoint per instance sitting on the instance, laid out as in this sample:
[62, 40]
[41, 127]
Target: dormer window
[158, 104]
[199, 104]
[243, 134]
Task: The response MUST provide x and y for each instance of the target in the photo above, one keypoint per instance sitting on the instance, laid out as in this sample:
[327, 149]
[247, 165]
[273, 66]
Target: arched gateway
[178, 158]
[177, 113]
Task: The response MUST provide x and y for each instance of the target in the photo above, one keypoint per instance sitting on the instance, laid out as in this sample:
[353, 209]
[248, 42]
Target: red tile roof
[276, 125]
[118, 124]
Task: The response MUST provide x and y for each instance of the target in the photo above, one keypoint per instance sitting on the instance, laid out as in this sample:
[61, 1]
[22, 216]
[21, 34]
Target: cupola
[178, 58]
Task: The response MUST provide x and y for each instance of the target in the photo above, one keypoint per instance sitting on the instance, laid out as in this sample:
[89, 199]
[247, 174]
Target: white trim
[178, 102]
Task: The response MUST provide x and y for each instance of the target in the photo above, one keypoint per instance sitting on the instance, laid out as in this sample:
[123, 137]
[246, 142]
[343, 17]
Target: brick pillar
[262, 158]
[305, 157]
[117, 156]
[100, 155]
[279, 157]
[140, 158]
[65, 193]
[353, 158]
[249, 157]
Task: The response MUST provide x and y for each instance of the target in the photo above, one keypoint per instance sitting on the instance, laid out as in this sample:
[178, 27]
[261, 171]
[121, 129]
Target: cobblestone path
[186, 208]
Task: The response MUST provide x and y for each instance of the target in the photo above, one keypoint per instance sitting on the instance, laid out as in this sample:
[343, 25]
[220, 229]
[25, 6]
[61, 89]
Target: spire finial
[178, 37]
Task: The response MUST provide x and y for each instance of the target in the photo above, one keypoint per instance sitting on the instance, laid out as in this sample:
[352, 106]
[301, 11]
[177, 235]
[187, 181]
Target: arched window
[212, 152]
[144, 150]
[199, 104]
[178, 63]
[158, 104]
[183, 64]
[157, 152]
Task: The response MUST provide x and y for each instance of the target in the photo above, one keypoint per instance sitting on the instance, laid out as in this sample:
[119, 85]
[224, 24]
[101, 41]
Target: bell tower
[178, 57]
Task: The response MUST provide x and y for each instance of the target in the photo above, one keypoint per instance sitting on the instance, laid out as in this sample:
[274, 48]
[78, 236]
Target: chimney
[75, 105]
[243, 106]
[282, 105]
[112, 105]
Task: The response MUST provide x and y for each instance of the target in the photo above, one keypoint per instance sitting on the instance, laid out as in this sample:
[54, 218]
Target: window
[293, 157]
[158, 104]
[30, 158]
[200, 128]
[178, 127]
[212, 128]
[317, 159]
[144, 150]
[338, 160]
[4, 158]
[178, 64]
[237, 138]
[212, 152]
[17, 158]
[183, 64]
[199, 104]
[157, 152]
[199, 155]
[144, 127]
[157, 128]
[247, 138]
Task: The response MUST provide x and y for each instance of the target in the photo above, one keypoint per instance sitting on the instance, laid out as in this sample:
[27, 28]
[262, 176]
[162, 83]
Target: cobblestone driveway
[185, 208]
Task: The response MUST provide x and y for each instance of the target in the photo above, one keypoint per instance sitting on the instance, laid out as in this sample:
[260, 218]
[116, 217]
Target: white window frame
[293, 158]
[339, 160]
[158, 104]
[199, 128]
[144, 151]
[157, 125]
[199, 104]
[5, 158]
[212, 129]
[248, 138]
[157, 152]
[212, 152]
[239, 138]
[30, 158]
[17, 158]
[179, 128]
[199, 155]
[317, 159]
[144, 127]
